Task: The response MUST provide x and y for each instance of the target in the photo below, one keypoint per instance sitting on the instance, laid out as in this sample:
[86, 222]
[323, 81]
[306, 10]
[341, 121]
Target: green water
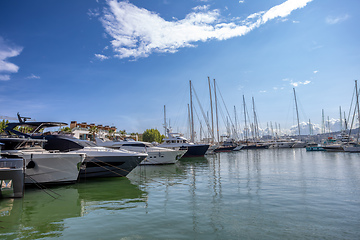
[253, 194]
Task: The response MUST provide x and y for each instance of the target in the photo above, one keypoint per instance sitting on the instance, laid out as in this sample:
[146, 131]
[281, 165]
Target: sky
[119, 62]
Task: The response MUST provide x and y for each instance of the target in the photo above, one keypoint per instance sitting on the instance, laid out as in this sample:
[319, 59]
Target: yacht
[43, 166]
[227, 146]
[178, 142]
[98, 162]
[156, 155]
[282, 143]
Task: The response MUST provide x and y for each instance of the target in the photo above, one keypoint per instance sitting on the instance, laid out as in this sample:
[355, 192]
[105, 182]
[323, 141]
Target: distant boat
[282, 143]
[316, 148]
[333, 145]
[227, 146]
[178, 142]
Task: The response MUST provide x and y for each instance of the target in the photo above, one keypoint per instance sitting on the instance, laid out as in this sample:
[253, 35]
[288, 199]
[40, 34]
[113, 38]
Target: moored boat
[179, 142]
[156, 155]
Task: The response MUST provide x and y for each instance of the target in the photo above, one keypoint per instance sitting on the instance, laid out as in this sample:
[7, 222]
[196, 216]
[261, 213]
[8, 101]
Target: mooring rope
[42, 187]
[127, 171]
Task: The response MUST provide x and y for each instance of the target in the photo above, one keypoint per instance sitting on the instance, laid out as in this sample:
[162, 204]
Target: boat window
[134, 144]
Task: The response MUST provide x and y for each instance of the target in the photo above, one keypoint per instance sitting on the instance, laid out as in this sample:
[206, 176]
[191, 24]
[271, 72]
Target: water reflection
[39, 215]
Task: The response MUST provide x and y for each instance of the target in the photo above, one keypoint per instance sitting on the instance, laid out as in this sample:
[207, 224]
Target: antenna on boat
[22, 119]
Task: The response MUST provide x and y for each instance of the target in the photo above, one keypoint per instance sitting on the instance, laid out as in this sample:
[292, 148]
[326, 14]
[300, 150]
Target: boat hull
[163, 157]
[225, 149]
[52, 168]
[196, 150]
[109, 166]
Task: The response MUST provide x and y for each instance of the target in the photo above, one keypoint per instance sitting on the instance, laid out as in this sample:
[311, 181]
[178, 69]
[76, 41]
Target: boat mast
[256, 127]
[165, 126]
[341, 128]
[191, 116]
[297, 112]
[216, 110]
[323, 123]
[245, 119]
[235, 124]
[212, 113]
[358, 110]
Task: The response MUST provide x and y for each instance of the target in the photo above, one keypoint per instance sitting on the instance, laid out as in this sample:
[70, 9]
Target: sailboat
[298, 143]
[177, 141]
[354, 146]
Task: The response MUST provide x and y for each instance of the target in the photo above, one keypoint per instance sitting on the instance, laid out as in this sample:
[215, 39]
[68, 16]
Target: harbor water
[250, 194]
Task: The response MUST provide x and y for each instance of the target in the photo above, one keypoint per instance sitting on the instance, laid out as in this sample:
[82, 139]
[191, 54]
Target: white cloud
[316, 71]
[338, 19]
[137, 32]
[4, 77]
[7, 51]
[101, 57]
[295, 84]
[284, 9]
[32, 76]
[241, 1]
[201, 8]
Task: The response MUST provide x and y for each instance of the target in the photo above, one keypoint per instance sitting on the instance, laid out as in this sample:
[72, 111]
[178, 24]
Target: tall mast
[189, 116]
[165, 126]
[297, 112]
[357, 105]
[235, 129]
[245, 118]
[323, 122]
[212, 114]
[256, 127]
[341, 125]
[192, 137]
[216, 109]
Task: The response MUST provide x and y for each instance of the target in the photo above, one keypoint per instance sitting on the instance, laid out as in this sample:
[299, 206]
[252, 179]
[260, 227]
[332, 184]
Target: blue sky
[119, 62]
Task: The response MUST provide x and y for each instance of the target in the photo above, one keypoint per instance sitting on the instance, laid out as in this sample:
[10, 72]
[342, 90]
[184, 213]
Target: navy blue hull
[196, 150]
[114, 166]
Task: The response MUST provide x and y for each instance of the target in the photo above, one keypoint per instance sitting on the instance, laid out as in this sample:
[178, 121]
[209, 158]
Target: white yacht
[156, 155]
[282, 144]
[178, 142]
[43, 166]
[99, 161]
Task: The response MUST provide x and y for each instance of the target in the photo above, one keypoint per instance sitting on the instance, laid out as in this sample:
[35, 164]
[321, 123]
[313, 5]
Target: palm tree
[111, 134]
[93, 131]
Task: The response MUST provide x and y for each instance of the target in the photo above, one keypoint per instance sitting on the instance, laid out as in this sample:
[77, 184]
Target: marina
[139, 120]
[251, 194]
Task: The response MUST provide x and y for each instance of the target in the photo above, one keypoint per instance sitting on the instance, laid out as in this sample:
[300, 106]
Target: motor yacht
[156, 155]
[178, 142]
[42, 166]
[98, 162]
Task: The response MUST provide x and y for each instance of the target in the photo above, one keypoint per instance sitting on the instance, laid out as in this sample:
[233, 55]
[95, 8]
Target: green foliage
[152, 135]
[93, 130]
[66, 129]
[3, 124]
[110, 134]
